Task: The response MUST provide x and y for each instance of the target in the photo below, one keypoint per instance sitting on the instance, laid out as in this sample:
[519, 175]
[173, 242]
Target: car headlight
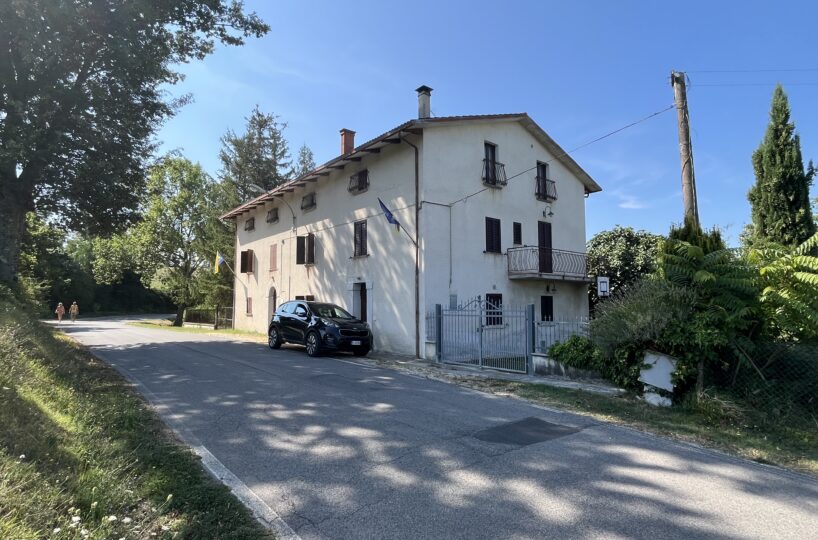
[329, 323]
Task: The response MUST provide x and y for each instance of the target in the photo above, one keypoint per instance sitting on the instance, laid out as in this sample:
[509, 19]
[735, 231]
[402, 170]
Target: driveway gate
[487, 336]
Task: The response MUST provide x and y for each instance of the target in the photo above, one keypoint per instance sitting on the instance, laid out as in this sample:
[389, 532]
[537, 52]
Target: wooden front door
[546, 255]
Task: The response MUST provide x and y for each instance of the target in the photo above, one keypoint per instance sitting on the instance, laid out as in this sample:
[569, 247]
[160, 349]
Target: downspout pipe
[417, 246]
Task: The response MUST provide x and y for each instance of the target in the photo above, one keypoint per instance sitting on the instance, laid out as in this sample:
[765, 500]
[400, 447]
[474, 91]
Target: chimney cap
[345, 130]
[423, 89]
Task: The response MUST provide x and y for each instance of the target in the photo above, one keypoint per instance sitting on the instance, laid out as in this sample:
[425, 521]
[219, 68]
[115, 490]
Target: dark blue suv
[319, 327]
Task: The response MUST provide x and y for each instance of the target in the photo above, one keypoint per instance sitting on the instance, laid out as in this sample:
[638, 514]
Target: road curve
[342, 450]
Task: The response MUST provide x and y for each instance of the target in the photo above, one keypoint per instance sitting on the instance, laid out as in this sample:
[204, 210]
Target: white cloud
[631, 202]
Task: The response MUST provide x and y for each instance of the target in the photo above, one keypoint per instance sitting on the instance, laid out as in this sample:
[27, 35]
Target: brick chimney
[347, 141]
[424, 101]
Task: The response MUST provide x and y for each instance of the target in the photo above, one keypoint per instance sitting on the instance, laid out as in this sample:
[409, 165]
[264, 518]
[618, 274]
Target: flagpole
[407, 234]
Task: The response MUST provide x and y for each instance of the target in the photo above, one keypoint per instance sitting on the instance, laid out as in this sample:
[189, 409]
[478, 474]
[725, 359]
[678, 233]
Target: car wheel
[273, 339]
[360, 351]
[313, 344]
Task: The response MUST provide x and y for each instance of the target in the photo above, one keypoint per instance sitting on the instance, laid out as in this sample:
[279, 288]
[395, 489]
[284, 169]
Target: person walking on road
[74, 310]
[60, 311]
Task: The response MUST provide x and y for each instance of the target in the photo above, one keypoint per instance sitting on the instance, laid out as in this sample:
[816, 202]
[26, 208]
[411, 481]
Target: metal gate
[485, 335]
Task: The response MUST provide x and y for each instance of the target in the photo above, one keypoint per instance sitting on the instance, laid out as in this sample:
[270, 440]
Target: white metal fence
[483, 335]
[547, 333]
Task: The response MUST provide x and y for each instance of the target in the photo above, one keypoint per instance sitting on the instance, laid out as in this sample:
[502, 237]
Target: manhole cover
[524, 432]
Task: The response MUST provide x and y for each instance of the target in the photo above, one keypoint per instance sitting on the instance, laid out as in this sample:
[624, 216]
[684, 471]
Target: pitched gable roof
[416, 126]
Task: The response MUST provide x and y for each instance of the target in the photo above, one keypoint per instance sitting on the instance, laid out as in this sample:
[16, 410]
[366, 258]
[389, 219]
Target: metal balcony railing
[494, 173]
[535, 261]
[545, 189]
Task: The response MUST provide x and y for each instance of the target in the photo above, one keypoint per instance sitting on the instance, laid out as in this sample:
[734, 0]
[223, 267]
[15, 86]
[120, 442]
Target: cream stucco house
[489, 205]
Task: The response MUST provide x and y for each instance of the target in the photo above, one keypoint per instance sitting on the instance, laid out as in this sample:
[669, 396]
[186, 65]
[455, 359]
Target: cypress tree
[780, 197]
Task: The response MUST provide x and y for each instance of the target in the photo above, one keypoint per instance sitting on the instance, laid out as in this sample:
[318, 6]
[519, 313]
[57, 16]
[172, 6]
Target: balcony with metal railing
[494, 174]
[545, 189]
[540, 263]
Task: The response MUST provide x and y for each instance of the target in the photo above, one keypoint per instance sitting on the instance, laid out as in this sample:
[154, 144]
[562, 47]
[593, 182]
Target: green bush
[638, 316]
[578, 352]
[621, 368]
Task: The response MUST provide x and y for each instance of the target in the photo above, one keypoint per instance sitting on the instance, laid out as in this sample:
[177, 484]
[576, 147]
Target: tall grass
[82, 456]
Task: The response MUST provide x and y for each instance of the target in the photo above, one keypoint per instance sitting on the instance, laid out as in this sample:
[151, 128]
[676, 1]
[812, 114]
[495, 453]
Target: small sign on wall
[603, 286]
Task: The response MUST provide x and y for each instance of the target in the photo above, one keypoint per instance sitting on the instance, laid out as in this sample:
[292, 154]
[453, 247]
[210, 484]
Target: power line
[406, 207]
[699, 85]
[609, 134]
[792, 70]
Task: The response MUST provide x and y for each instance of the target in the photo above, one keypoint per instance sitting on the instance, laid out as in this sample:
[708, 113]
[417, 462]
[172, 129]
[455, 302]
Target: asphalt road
[342, 450]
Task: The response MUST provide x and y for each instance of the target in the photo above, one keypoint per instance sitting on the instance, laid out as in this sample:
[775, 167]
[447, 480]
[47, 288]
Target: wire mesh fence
[218, 317]
[200, 316]
[780, 378]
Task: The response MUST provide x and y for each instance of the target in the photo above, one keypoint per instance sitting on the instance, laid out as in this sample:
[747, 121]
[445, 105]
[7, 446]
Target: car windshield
[330, 311]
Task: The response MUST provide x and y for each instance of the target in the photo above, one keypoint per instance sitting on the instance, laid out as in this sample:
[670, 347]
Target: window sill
[364, 256]
[492, 252]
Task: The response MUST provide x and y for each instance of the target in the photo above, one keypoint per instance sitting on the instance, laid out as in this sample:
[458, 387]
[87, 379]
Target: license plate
[356, 342]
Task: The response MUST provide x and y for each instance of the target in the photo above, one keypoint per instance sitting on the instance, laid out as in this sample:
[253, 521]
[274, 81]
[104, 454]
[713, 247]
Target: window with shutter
[310, 249]
[360, 239]
[273, 257]
[246, 262]
[518, 234]
[300, 249]
[493, 244]
[272, 215]
[305, 249]
[249, 306]
[250, 224]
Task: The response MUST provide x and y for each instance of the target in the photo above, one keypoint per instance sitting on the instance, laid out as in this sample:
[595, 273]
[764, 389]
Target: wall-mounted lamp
[547, 213]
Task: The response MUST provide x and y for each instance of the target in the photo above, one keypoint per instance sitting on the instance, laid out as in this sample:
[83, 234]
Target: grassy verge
[82, 456]
[167, 325]
[715, 423]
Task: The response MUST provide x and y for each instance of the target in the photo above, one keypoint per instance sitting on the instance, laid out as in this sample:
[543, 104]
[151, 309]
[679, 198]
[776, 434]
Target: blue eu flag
[388, 214]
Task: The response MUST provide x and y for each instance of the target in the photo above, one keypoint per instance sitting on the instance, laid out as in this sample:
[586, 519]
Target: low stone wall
[544, 365]
[197, 325]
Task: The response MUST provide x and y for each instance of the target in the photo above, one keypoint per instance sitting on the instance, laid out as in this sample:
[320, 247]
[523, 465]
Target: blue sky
[580, 69]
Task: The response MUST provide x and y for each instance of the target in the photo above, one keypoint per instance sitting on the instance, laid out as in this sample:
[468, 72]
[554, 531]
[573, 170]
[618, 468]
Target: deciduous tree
[82, 88]
[623, 254]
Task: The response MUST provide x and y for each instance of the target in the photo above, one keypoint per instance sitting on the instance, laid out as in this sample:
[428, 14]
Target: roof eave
[561, 155]
[327, 168]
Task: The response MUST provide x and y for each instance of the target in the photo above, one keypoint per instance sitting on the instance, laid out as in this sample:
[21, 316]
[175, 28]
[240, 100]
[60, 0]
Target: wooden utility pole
[677, 81]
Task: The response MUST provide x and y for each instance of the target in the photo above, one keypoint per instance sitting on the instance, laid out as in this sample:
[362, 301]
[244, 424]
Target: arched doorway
[272, 303]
